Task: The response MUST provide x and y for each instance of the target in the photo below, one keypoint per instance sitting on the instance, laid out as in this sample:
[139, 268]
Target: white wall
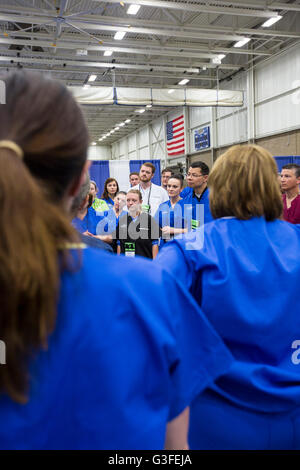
[277, 97]
[99, 152]
[274, 108]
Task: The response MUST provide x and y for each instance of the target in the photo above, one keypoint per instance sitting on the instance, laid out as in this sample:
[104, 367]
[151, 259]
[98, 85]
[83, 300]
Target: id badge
[146, 208]
[195, 224]
[129, 249]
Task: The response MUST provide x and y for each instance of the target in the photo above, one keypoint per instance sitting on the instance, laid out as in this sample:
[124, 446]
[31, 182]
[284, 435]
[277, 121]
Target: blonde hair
[243, 183]
[136, 191]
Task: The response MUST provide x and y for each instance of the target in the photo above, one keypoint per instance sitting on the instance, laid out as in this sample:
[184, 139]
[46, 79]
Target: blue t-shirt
[89, 223]
[197, 211]
[244, 274]
[129, 352]
[172, 217]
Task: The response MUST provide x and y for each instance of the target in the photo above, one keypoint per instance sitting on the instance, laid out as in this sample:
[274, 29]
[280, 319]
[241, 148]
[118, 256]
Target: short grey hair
[82, 194]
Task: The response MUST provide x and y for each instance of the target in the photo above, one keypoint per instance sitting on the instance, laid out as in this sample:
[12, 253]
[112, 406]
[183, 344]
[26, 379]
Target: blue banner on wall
[202, 138]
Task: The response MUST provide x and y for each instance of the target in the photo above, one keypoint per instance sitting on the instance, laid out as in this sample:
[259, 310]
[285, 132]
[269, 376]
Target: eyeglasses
[192, 175]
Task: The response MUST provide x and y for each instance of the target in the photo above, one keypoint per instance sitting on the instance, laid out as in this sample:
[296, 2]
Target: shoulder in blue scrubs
[126, 356]
[166, 215]
[89, 223]
[197, 210]
[244, 274]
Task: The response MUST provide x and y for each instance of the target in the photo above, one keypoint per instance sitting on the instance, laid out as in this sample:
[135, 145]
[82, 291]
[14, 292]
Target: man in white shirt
[153, 195]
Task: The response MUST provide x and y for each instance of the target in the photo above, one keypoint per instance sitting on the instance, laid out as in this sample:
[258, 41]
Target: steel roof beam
[205, 7]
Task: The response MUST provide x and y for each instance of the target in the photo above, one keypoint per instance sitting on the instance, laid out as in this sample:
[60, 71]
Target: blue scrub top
[245, 276]
[168, 216]
[186, 191]
[192, 209]
[89, 223]
[129, 352]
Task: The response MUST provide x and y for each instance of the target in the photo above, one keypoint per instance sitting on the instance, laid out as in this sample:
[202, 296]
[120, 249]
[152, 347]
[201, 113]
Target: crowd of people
[154, 214]
[195, 349]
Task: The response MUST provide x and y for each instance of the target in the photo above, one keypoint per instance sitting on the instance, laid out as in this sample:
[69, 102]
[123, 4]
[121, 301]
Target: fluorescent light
[204, 68]
[242, 42]
[86, 86]
[141, 111]
[127, 121]
[184, 81]
[119, 35]
[122, 124]
[221, 56]
[93, 143]
[171, 91]
[148, 105]
[271, 21]
[108, 53]
[133, 9]
[117, 128]
[92, 78]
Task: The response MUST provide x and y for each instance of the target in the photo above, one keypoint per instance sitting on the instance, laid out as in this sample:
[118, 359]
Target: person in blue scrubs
[86, 219]
[243, 269]
[196, 201]
[170, 215]
[100, 352]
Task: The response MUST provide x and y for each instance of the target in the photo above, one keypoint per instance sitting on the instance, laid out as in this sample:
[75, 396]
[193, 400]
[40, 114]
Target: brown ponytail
[43, 119]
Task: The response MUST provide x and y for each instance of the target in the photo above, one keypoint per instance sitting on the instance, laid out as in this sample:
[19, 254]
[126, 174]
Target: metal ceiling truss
[165, 42]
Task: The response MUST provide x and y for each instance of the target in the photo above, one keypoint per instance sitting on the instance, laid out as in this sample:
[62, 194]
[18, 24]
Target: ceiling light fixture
[127, 121]
[108, 53]
[149, 106]
[242, 42]
[184, 81]
[133, 9]
[171, 91]
[92, 78]
[119, 35]
[271, 21]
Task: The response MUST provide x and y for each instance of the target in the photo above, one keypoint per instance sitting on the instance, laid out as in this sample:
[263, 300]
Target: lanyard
[143, 192]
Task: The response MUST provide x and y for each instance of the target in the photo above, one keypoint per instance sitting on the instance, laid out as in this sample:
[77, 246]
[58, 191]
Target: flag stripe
[175, 142]
[175, 136]
[179, 117]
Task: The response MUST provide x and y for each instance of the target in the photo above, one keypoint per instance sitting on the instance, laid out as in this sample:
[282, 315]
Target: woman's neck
[174, 199]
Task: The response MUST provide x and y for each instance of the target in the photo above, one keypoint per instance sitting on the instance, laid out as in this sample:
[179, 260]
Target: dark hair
[134, 173]
[43, 119]
[168, 170]
[203, 167]
[177, 177]
[149, 165]
[292, 166]
[121, 192]
[105, 194]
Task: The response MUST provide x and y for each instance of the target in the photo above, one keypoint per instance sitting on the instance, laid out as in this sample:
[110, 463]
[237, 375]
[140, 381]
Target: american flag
[175, 136]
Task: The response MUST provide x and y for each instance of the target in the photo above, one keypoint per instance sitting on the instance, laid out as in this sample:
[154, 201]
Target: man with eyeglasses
[196, 201]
